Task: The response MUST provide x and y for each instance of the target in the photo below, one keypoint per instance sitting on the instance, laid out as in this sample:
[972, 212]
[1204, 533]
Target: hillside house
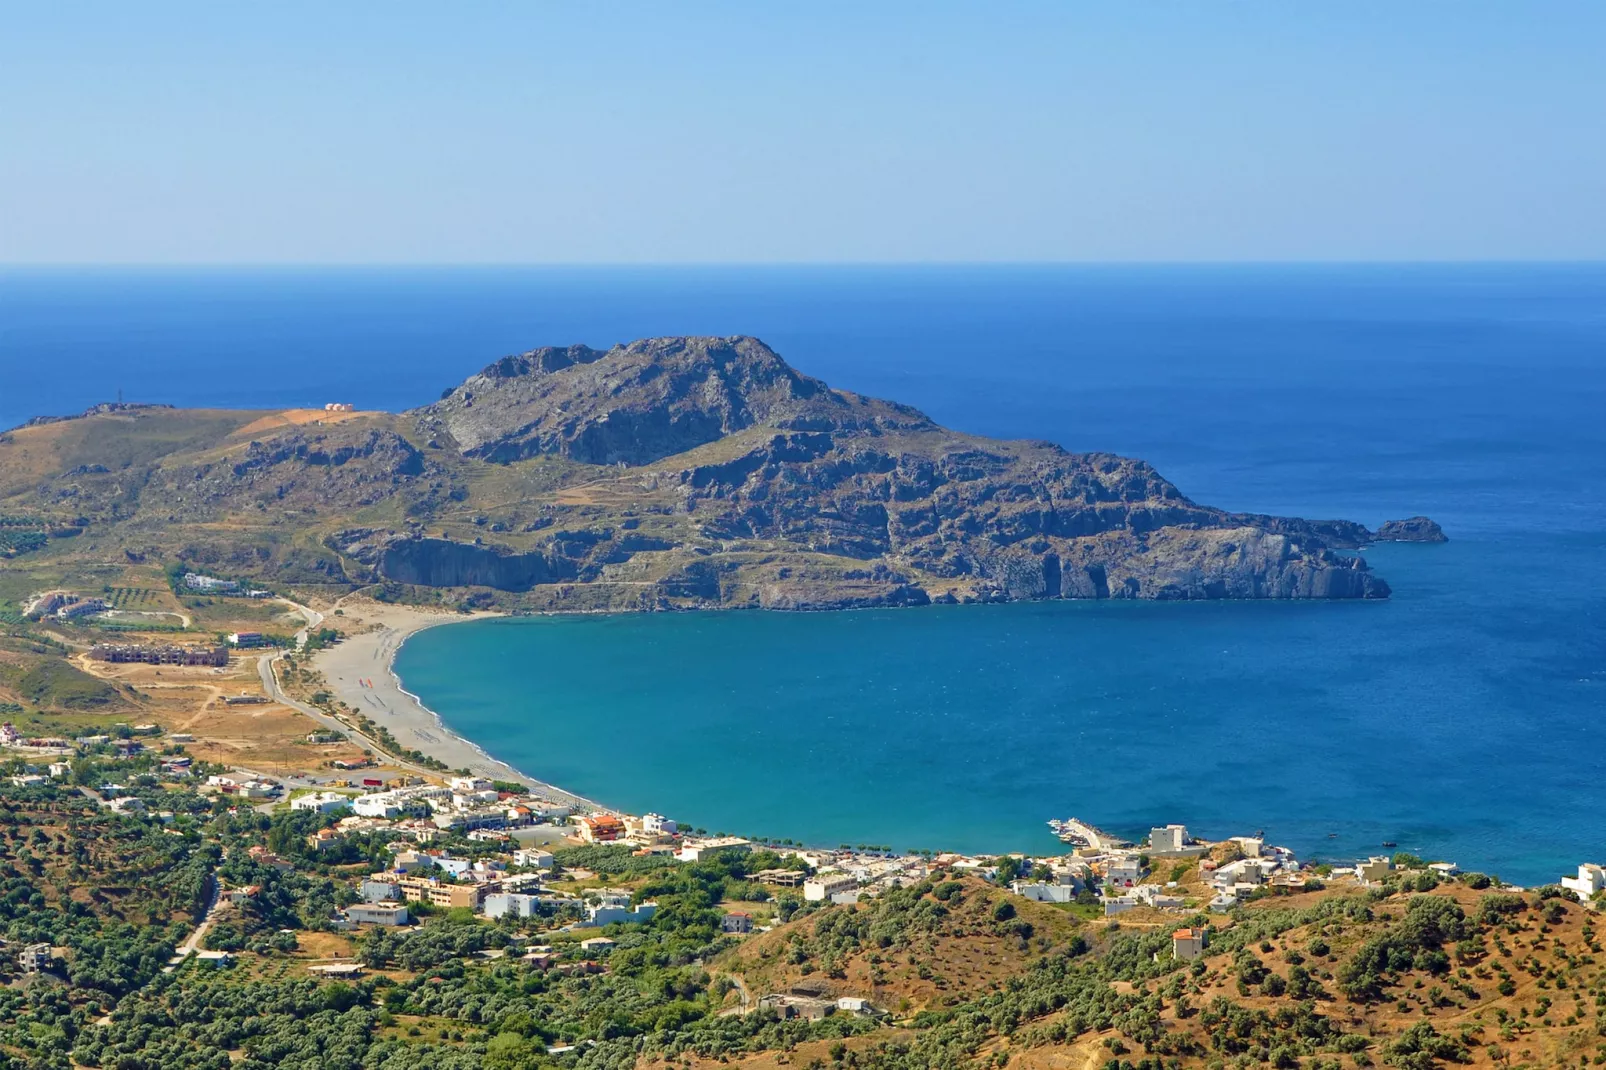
[1590, 882]
[1188, 944]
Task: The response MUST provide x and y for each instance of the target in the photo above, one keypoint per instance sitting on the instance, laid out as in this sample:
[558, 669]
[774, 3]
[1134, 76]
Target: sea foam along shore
[360, 672]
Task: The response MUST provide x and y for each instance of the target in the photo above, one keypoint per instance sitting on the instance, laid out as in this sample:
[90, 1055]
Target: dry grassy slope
[114, 440]
[40, 678]
[1525, 986]
[1556, 1006]
[905, 955]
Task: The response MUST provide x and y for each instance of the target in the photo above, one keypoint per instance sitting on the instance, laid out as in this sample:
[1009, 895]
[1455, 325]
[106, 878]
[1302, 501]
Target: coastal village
[348, 851]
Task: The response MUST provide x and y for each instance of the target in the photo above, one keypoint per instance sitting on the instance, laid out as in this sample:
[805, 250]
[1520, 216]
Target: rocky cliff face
[756, 455]
[441, 563]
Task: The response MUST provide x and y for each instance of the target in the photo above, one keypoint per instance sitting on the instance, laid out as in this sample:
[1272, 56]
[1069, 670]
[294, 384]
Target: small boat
[1390, 843]
[1332, 835]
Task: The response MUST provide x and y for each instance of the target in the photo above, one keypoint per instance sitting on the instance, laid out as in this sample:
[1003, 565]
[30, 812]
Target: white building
[517, 904]
[1374, 869]
[196, 581]
[469, 820]
[828, 885]
[616, 908]
[533, 857]
[380, 804]
[1253, 871]
[1189, 944]
[379, 890]
[1155, 896]
[651, 826]
[469, 783]
[1168, 840]
[1590, 882]
[1044, 892]
[1252, 846]
[1123, 872]
[694, 852]
[387, 914]
[324, 802]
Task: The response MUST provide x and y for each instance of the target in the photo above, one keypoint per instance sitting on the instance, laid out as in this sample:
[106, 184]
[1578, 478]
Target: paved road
[270, 686]
[308, 614]
[741, 990]
[193, 942]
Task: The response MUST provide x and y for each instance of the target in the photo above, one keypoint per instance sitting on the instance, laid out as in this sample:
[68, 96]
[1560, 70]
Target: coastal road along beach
[270, 686]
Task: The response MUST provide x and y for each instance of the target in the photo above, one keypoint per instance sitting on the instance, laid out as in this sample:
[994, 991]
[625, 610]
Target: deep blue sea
[1464, 719]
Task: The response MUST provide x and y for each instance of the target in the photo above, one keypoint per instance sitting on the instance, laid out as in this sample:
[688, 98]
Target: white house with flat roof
[696, 851]
[516, 904]
[1123, 871]
[827, 885]
[1044, 892]
[617, 908]
[383, 804]
[1168, 840]
[1590, 882]
[1374, 869]
[388, 914]
[325, 802]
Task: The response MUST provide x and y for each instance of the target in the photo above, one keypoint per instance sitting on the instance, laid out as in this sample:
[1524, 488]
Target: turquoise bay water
[968, 727]
[1463, 718]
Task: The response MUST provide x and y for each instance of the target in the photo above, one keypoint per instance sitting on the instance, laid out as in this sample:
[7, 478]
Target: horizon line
[169, 265]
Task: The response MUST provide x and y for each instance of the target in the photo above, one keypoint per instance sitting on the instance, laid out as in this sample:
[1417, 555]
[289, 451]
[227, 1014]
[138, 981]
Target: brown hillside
[931, 946]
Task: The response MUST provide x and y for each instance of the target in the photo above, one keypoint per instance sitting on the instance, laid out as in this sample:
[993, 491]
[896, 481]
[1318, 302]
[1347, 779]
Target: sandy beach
[359, 672]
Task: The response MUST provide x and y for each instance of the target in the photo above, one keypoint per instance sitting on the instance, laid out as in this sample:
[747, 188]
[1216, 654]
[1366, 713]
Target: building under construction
[123, 653]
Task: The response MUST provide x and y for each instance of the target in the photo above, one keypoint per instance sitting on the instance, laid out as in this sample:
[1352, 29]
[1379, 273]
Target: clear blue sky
[663, 132]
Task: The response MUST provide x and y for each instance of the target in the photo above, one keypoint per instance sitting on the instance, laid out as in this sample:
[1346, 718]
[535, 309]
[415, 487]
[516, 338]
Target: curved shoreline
[361, 672]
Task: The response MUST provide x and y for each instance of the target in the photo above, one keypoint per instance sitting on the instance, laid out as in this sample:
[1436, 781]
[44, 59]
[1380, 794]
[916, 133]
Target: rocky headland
[670, 473]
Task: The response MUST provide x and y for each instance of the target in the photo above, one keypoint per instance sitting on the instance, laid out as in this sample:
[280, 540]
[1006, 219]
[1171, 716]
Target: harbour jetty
[1079, 833]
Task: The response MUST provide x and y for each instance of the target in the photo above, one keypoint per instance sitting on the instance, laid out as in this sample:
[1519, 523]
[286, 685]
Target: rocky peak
[638, 403]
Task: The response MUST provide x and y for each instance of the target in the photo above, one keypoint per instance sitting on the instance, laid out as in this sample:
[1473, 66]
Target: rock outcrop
[1413, 529]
